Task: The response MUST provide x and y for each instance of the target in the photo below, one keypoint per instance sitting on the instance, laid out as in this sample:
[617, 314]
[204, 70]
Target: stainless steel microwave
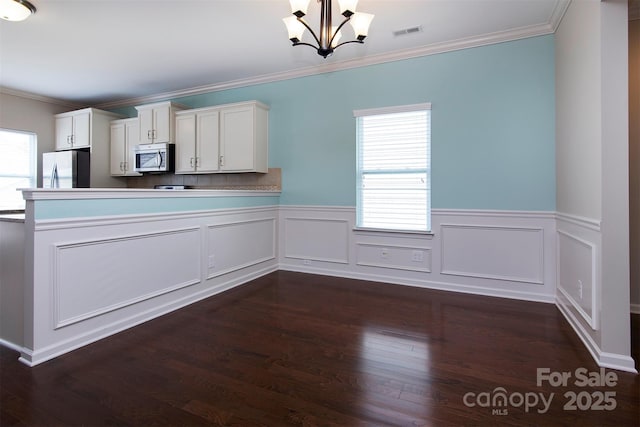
[157, 158]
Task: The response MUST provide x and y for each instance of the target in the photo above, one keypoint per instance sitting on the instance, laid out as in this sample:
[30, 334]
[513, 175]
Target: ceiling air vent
[407, 31]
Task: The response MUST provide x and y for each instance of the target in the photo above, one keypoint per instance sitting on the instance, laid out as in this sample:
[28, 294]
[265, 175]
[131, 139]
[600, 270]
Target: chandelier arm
[305, 44]
[303, 22]
[350, 41]
[335, 33]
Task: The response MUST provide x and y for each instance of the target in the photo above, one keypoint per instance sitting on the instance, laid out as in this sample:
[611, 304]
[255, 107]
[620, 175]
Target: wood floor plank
[293, 349]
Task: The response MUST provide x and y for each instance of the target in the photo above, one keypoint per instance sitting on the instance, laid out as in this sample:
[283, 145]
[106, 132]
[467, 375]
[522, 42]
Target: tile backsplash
[271, 180]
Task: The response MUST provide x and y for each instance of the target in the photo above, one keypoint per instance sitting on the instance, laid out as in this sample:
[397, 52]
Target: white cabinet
[73, 130]
[124, 137]
[244, 137]
[89, 129]
[224, 138]
[157, 122]
[197, 141]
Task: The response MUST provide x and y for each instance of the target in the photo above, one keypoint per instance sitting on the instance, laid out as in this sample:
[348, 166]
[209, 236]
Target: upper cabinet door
[185, 143]
[157, 122]
[162, 123]
[64, 131]
[81, 130]
[237, 139]
[145, 120]
[132, 138]
[118, 142]
[207, 149]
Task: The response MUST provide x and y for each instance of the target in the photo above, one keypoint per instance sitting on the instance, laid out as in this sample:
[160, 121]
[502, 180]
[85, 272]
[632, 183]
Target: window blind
[393, 171]
[17, 167]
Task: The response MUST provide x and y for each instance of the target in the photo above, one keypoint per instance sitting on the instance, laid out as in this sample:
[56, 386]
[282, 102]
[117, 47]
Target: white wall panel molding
[421, 281]
[398, 257]
[492, 214]
[528, 238]
[316, 238]
[579, 243]
[252, 242]
[603, 359]
[577, 275]
[99, 221]
[12, 277]
[514, 254]
[590, 223]
[94, 277]
[132, 318]
[97, 276]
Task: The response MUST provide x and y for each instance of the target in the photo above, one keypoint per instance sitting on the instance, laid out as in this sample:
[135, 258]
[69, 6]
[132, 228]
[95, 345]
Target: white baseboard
[426, 284]
[12, 346]
[603, 359]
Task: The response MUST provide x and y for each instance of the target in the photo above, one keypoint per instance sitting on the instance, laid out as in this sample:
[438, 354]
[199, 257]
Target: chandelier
[16, 10]
[329, 37]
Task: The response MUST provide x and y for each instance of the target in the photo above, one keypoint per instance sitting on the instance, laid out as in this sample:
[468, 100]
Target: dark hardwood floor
[299, 349]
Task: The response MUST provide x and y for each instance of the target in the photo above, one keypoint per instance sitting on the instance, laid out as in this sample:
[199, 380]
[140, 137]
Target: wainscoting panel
[508, 254]
[317, 239]
[410, 258]
[237, 245]
[93, 277]
[577, 275]
[503, 253]
[97, 276]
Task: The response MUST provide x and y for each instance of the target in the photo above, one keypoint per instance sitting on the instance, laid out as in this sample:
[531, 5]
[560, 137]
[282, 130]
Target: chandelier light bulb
[299, 7]
[294, 27]
[360, 23]
[347, 7]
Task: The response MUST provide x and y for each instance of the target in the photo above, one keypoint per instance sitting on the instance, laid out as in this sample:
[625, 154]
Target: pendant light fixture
[329, 37]
[16, 10]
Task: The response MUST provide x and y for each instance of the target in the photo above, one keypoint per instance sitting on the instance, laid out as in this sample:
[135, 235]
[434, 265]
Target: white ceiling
[112, 52]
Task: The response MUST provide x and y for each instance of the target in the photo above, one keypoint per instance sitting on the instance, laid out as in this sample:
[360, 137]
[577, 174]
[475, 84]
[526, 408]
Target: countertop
[138, 193]
[16, 217]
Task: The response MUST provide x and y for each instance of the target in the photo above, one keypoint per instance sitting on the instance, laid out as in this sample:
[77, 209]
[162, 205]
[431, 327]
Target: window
[393, 171]
[17, 167]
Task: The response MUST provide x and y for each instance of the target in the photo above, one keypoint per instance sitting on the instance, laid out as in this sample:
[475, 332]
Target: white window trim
[393, 110]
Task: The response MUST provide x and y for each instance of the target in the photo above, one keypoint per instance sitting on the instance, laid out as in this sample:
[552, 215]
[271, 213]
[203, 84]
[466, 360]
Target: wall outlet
[384, 253]
[580, 288]
[417, 256]
[212, 261]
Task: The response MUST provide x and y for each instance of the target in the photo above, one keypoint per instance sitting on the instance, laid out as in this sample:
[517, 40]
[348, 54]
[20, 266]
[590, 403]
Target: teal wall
[50, 209]
[493, 125]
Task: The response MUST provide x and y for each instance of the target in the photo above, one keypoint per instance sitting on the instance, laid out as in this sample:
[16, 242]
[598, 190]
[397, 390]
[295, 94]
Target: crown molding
[32, 96]
[558, 13]
[432, 49]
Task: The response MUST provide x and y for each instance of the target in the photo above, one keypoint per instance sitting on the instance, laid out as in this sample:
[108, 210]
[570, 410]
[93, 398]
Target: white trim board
[432, 49]
[606, 360]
